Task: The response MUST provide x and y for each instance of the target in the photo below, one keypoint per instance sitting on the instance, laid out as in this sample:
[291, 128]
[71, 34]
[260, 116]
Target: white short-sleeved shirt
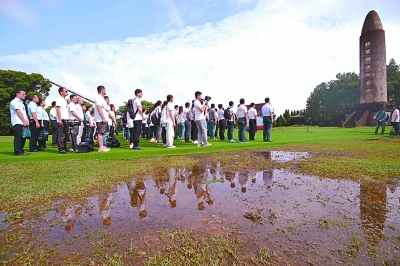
[110, 121]
[72, 108]
[185, 110]
[231, 111]
[266, 110]
[198, 115]
[88, 117]
[252, 113]
[99, 101]
[170, 106]
[220, 114]
[79, 110]
[33, 108]
[62, 103]
[15, 105]
[43, 114]
[394, 115]
[241, 111]
[53, 114]
[136, 103]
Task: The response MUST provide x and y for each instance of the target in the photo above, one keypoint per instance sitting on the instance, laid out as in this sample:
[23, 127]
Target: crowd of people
[195, 122]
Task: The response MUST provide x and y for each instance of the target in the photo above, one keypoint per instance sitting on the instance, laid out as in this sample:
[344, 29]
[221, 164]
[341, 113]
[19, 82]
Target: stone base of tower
[363, 114]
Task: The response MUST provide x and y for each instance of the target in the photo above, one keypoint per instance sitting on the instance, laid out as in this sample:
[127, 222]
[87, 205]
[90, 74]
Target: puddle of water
[211, 200]
[284, 156]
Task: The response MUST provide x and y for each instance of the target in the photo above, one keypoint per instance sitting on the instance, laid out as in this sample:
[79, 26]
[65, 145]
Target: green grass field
[33, 185]
[40, 178]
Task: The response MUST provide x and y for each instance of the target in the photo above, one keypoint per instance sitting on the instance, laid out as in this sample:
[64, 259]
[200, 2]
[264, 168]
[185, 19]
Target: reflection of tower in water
[373, 209]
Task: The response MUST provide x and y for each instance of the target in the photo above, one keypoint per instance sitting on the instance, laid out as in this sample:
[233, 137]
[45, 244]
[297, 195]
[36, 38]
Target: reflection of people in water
[137, 191]
[373, 210]
[243, 180]
[203, 194]
[70, 214]
[106, 201]
[171, 187]
[231, 177]
[267, 177]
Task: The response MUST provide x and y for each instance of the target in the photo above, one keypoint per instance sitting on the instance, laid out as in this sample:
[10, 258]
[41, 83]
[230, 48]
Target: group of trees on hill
[10, 81]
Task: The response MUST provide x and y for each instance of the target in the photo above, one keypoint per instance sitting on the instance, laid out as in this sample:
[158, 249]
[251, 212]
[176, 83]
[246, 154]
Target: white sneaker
[171, 147]
[131, 145]
[104, 150]
[199, 145]
[195, 142]
[207, 144]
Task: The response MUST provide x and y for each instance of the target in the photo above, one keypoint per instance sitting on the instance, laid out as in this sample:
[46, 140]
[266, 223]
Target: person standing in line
[137, 121]
[164, 129]
[62, 120]
[19, 119]
[381, 121]
[212, 121]
[108, 118]
[252, 113]
[188, 123]
[90, 123]
[171, 124]
[84, 124]
[176, 129]
[112, 123]
[181, 123]
[194, 131]
[268, 120]
[242, 118]
[53, 118]
[221, 122]
[100, 117]
[231, 121]
[143, 133]
[79, 110]
[44, 123]
[395, 119]
[74, 121]
[34, 124]
[157, 127]
[200, 118]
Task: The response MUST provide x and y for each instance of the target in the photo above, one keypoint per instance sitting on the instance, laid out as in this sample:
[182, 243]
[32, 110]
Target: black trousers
[194, 132]
[73, 130]
[42, 143]
[164, 135]
[55, 131]
[19, 142]
[34, 135]
[252, 128]
[222, 127]
[62, 136]
[137, 127]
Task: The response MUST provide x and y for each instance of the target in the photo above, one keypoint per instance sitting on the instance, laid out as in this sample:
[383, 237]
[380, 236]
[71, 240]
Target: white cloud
[280, 49]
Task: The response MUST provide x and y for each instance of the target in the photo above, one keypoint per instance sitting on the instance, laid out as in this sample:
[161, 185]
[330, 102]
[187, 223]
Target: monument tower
[373, 78]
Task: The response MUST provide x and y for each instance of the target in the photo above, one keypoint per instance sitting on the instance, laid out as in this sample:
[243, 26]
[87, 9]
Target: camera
[205, 100]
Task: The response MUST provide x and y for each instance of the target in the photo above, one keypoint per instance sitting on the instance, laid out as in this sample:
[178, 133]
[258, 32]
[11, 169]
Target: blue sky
[228, 49]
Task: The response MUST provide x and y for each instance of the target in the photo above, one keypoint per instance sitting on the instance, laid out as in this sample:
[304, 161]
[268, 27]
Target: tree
[393, 82]
[10, 81]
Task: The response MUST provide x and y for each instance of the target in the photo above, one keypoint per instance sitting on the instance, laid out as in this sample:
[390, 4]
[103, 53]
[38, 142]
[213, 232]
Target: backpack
[155, 117]
[86, 146]
[148, 121]
[114, 143]
[130, 109]
[190, 115]
[227, 113]
[125, 118]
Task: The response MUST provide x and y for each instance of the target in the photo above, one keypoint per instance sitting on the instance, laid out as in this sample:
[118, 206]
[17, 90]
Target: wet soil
[304, 219]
